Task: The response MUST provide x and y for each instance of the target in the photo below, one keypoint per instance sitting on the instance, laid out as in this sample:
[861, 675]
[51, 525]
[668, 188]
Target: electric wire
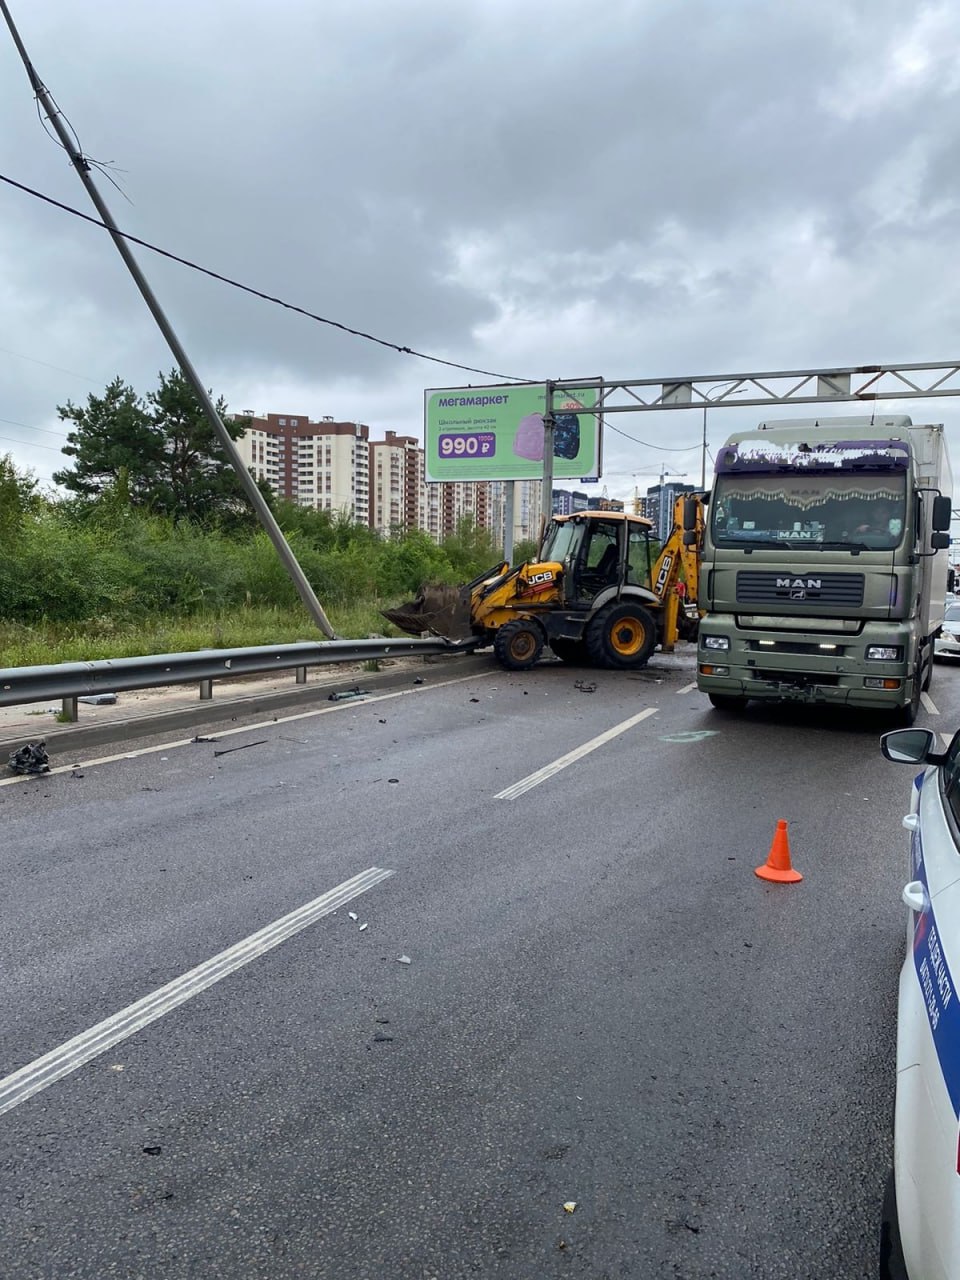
[12, 422]
[264, 297]
[30, 445]
[46, 365]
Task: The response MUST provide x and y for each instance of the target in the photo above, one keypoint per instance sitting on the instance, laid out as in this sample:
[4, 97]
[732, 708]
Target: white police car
[920, 1238]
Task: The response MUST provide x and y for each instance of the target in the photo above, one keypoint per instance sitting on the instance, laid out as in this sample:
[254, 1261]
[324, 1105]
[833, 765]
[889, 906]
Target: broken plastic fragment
[569, 1206]
[362, 927]
[353, 915]
[404, 960]
[30, 759]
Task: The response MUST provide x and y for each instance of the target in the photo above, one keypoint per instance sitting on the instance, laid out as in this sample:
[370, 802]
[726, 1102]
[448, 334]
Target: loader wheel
[621, 636]
[518, 644]
[573, 652]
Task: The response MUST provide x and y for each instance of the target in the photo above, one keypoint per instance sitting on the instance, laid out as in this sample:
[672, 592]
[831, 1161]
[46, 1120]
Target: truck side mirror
[689, 537]
[689, 516]
[942, 513]
[940, 541]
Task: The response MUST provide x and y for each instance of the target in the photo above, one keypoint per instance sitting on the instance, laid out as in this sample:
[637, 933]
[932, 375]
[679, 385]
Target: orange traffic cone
[777, 866]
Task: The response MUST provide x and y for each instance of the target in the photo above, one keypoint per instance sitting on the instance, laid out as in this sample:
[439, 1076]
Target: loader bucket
[437, 610]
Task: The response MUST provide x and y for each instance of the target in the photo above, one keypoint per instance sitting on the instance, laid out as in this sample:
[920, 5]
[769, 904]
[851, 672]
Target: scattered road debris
[199, 738]
[31, 758]
[474, 699]
[381, 722]
[419, 680]
[152, 1151]
[586, 686]
[226, 750]
[100, 700]
[347, 694]
[75, 773]
[404, 960]
[569, 1206]
[362, 927]
[353, 915]
[393, 779]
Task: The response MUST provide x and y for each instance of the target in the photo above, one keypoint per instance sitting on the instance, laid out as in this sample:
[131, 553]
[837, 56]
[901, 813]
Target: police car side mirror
[910, 746]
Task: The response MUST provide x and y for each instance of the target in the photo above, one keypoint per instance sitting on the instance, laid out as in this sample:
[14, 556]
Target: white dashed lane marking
[53, 1066]
[534, 779]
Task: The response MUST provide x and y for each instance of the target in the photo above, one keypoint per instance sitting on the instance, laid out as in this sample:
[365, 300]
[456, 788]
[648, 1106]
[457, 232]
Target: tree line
[154, 520]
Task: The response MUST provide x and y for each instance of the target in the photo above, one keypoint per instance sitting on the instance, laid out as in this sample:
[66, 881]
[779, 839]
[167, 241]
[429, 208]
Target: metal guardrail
[73, 680]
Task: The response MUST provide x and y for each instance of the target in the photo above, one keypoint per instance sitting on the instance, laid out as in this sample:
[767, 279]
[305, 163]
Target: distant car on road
[920, 1237]
[947, 644]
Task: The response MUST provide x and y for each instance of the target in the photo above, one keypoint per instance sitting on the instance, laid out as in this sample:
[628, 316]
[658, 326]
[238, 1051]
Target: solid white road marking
[929, 703]
[688, 688]
[80, 763]
[947, 738]
[37, 1075]
[548, 770]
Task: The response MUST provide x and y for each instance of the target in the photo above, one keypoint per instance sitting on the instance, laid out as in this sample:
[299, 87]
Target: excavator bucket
[437, 610]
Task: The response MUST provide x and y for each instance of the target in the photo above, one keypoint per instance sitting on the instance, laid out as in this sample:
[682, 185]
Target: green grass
[44, 643]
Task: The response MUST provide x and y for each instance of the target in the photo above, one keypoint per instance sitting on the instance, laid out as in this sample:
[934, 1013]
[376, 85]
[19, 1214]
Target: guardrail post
[301, 675]
[206, 690]
[69, 709]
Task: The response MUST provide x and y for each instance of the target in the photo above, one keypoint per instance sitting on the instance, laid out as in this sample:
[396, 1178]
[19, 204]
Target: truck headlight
[884, 653]
[716, 642]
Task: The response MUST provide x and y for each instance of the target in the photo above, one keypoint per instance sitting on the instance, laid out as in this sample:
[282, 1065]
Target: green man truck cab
[825, 562]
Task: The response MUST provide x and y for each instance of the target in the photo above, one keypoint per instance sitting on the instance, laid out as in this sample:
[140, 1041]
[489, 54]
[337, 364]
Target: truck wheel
[518, 644]
[571, 651]
[728, 701]
[621, 636]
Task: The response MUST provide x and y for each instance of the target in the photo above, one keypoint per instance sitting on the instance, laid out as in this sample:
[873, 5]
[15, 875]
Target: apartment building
[335, 466]
[323, 464]
[396, 478]
[659, 505]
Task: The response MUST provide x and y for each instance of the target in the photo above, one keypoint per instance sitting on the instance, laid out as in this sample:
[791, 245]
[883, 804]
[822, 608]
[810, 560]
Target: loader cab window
[638, 558]
[599, 556]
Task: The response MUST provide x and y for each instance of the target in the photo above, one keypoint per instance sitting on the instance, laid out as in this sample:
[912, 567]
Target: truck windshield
[809, 510]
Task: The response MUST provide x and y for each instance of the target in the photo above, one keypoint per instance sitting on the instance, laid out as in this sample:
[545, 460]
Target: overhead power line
[12, 423]
[73, 374]
[257, 293]
[28, 444]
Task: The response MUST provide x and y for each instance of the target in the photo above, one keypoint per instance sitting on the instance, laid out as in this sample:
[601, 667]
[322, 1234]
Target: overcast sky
[539, 188]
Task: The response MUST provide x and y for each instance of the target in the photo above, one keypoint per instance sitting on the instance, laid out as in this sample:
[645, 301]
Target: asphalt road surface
[603, 1006]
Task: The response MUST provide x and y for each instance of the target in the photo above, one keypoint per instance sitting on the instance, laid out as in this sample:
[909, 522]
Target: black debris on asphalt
[31, 758]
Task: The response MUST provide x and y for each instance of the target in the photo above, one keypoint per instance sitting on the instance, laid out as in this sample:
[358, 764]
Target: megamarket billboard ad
[496, 433]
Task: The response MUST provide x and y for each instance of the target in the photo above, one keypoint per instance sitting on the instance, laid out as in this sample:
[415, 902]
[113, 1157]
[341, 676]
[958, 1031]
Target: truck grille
[844, 590]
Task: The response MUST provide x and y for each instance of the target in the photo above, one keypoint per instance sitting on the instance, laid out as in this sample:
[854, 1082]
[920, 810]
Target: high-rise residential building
[335, 466]
[324, 464]
[526, 510]
[659, 505]
[567, 501]
[396, 477]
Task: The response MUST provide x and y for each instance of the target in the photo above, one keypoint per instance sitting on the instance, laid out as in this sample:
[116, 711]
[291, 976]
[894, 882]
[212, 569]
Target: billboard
[496, 433]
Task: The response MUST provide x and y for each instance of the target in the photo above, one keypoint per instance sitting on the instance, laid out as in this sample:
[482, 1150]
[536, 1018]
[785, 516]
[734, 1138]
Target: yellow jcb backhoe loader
[599, 594]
